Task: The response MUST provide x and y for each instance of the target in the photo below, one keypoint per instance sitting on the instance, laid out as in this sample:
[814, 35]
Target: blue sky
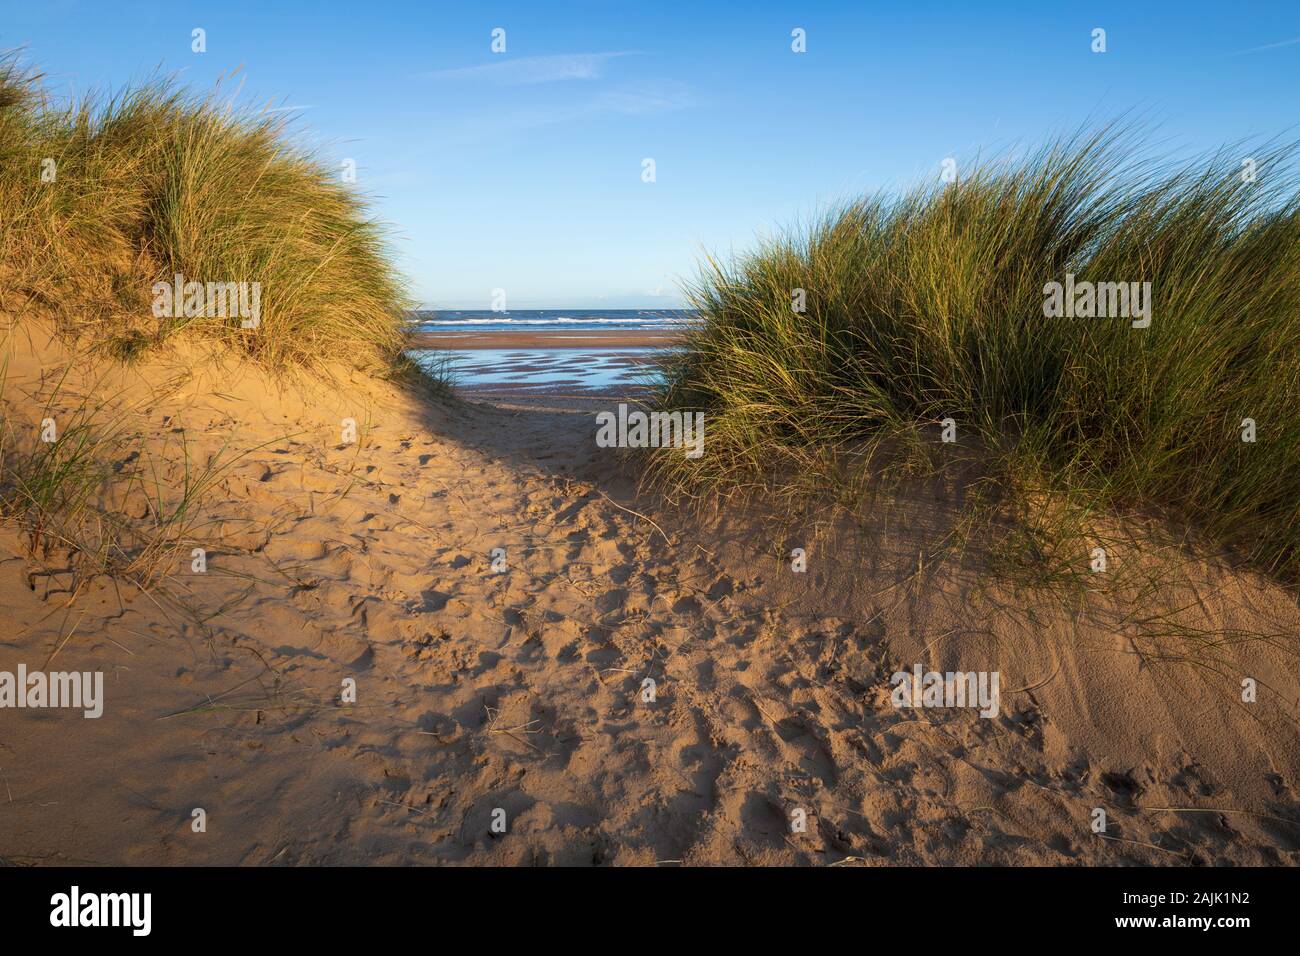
[523, 170]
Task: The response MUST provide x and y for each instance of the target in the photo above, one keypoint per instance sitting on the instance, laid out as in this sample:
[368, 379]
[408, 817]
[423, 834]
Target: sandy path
[522, 691]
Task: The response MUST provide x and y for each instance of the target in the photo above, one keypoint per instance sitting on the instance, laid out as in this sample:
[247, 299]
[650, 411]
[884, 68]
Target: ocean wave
[639, 321]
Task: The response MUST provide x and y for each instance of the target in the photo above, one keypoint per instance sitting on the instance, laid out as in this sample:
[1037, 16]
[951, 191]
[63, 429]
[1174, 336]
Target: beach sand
[525, 691]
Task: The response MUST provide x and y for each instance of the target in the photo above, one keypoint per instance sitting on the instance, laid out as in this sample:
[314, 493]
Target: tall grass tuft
[930, 306]
[151, 182]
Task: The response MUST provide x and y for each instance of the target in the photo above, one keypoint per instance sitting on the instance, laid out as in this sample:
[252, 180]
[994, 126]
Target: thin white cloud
[641, 102]
[1267, 46]
[647, 100]
[529, 70]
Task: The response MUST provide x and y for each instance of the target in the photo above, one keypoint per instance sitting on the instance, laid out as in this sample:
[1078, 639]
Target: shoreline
[550, 339]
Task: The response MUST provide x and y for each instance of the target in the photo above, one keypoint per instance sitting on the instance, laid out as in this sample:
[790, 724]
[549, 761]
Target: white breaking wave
[649, 322]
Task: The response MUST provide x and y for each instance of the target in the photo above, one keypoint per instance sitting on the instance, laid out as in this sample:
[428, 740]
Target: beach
[459, 612]
[546, 357]
[549, 460]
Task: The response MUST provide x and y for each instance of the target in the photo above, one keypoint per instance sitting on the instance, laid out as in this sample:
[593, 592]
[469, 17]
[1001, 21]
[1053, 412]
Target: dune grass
[106, 196]
[930, 306]
[89, 498]
[103, 198]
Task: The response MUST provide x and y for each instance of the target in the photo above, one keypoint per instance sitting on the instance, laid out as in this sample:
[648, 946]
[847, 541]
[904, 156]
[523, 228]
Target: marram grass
[103, 201]
[930, 307]
[105, 197]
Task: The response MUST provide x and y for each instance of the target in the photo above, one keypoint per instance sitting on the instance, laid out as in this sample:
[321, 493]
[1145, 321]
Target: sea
[515, 373]
[574, 320]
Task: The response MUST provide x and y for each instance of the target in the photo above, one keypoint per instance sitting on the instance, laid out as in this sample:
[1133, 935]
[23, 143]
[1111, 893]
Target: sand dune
[523, 691]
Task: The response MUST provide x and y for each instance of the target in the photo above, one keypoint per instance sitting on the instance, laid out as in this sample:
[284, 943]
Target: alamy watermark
[75, 908]
[1100, 300]
[952, 689]
[36, 689]
[638, 429]
[212, 300]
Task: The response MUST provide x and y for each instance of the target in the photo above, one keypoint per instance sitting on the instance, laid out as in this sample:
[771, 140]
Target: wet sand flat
[560, 369]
